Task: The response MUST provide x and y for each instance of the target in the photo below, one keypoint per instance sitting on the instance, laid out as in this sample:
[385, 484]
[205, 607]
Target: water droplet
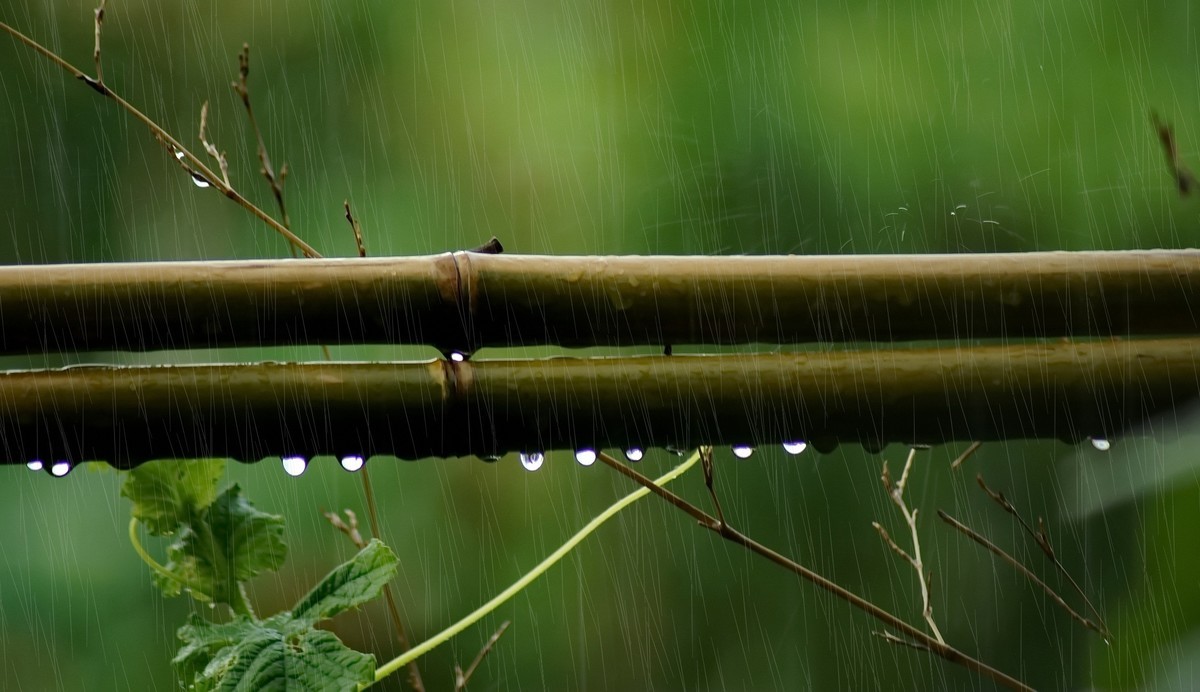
[742, 451]
[178, 155]
[676, 451]
[585, 457]
[352, 462]
[458, 356]
[199, 181]
[1101, 444]
[294, 466]
[532, 461]
[490, 458]
[796, 447]
[60, 468]
[634, 454]
[35, 465]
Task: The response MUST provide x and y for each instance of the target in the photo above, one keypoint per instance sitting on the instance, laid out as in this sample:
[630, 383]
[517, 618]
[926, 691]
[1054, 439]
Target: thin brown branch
[706, 463]
[99, 13]
[357, 229]
[999, 552]
[1185, 180]
[900, 641]
[1042, 538]
[896, 492]
[219, 156]
[414, 670]
[266, 169]
[462, 678]
[939, 649]
[193, 161]
[966, 455]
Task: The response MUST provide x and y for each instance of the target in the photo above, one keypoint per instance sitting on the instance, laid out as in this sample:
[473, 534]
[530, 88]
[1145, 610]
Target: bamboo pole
[466, 301]
[439, 408]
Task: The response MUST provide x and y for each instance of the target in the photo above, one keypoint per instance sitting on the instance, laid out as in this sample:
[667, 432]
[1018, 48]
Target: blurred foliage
[605, 127]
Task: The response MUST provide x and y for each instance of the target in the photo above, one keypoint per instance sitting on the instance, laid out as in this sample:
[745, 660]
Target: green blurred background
[609, 128]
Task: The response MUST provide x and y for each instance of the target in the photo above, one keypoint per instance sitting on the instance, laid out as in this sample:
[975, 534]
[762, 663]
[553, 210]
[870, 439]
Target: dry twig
[357, 228]
[965, 455]
[998, 552]
[1042, 538]
[1185, 180]
[461, 678]
[919, 638]
[896, 492]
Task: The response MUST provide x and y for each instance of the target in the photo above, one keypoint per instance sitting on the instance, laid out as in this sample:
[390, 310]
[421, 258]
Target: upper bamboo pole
[1060, 390]
[465, 301]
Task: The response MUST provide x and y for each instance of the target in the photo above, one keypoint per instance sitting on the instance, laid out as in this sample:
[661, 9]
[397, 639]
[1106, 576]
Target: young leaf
[169, 493]
[229, 542]
[278, 653]
[350, 584]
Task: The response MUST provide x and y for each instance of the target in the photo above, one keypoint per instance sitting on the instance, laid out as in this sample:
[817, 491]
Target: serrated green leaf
[279, 653]
[350, 584]
[229, 542]
[169, 493]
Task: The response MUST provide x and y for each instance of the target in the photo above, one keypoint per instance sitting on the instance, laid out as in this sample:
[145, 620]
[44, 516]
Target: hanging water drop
[1101, 443]
[458, 356]
[35, 465]
[634, 454]
[490, 458]
[796, 447]
[60, 468]
[294, 466]
[676, 450]
[532, 461]
[742, 451]
[585, 457]
[352, 462]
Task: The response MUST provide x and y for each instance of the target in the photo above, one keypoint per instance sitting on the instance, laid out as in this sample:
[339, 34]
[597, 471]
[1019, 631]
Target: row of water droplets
[531, 461]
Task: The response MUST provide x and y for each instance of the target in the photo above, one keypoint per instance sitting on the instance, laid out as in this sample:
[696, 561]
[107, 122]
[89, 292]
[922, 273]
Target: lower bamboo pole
[440, 408]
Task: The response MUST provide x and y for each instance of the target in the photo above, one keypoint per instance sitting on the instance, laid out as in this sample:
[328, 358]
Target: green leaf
[350, 584]
[169, 493]
[279, 653]
[229, 542]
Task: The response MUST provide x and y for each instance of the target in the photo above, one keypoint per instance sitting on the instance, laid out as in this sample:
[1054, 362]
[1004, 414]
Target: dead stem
[965, 455]
[194, 162]
[99, 14]
[706, 463]
[939, 649]
[998, 552]
[462, 678]
[1042, 538]
[354, 226]
[1185, 180]
[266, 170]
[896, 492]
[219, 156]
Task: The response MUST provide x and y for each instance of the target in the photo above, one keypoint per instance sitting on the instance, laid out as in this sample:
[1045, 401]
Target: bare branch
[935, 647]
[266, 170]
[1185, 180]
[998, 552]
[219, 156]
[896, 492]
[193, 164]
[462, 678]
[1042, 538]
[706, 462]
[99, 13]
[357, 228]
[966, 455]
